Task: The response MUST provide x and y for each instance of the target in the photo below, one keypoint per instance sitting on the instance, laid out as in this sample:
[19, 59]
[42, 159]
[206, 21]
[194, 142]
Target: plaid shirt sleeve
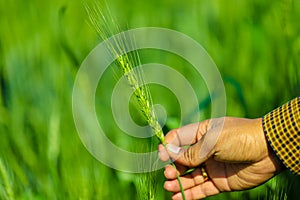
[282, 129]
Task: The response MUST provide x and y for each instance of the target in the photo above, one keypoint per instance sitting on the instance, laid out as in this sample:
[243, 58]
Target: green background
[255, 44]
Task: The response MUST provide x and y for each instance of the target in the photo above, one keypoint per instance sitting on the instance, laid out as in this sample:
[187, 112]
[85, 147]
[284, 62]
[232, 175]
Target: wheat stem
[6, 181]
[135, 79]
[179, 181]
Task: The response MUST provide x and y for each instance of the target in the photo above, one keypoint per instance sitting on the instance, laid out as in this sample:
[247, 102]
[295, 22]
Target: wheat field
[255, 44]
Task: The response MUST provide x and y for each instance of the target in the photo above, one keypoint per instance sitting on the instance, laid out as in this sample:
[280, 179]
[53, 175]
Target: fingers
[162, 153]
[188, 157]
[188, 181]
[184, 156]
[185, 135]
[198, 192]
[204, 142]
[195, 185]
[172, 173]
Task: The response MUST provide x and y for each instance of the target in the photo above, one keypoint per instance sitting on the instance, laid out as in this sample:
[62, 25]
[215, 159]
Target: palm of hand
[240, 159]
[223, 177]
[239, 176]
[244, 166]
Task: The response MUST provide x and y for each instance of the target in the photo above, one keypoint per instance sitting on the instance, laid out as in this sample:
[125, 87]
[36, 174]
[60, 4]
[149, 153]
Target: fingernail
[172, 148]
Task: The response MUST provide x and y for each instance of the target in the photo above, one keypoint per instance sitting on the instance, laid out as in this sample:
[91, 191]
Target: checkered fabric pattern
[282, 129]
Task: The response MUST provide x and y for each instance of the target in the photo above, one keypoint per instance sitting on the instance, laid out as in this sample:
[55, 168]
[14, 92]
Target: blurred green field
[255, 44]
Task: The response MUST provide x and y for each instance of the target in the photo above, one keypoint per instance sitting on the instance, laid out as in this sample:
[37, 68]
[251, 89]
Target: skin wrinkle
[216, 174]
[240, 157]
[202, 130]
[244, 181]
[189, 155]
[252, 143]
[196, 178]
[226, 175]
[211, 137]
[236, 176]
[208, 192]
[244, 139]
[191, 194]
[253, 175]
[240, 181]
[245, 148]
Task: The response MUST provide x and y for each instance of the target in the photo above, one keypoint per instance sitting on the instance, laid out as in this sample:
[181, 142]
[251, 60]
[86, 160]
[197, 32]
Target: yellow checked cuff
[282, 129]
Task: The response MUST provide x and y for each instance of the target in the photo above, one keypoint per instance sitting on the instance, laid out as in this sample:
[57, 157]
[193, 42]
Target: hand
[235, 153]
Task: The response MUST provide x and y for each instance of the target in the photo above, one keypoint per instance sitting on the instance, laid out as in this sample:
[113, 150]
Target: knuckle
[191, 157]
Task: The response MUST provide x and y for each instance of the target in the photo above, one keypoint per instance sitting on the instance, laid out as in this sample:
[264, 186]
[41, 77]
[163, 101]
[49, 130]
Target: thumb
[189, 157]
[199, 152]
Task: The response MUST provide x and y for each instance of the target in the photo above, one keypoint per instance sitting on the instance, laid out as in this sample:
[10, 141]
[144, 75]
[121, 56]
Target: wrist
[281, 128]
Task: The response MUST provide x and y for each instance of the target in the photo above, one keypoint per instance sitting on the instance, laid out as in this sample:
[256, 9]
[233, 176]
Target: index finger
[187, 135]
[183, 136]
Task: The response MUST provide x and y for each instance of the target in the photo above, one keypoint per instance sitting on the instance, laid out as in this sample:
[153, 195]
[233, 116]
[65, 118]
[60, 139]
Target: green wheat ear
[126, 63]
[106, 27]
[142, 95]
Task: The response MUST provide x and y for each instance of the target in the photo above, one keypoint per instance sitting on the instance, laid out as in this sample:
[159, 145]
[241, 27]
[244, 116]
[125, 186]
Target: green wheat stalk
[126, 63]
[6, 181]
[146, 183]
[102, 24]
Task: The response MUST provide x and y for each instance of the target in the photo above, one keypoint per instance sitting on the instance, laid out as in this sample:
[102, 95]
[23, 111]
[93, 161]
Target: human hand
[235, 153]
